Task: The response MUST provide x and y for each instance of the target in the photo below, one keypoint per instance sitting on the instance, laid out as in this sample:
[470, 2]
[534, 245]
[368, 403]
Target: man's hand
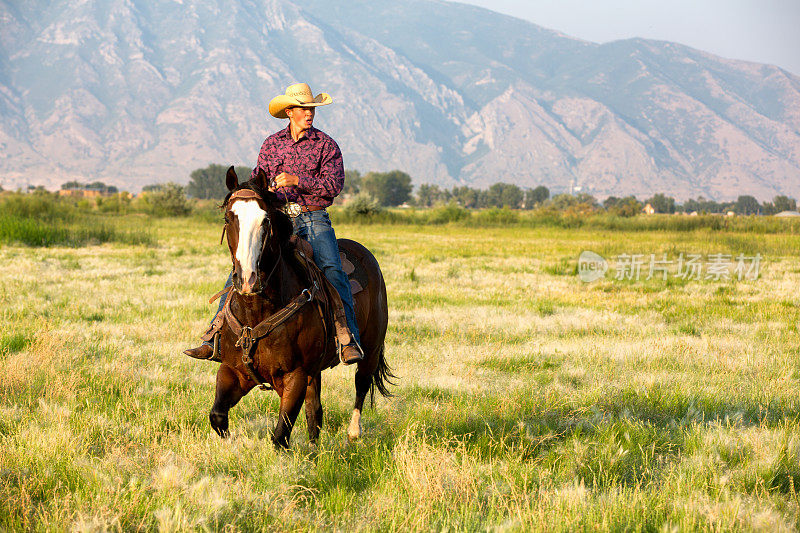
[284, 180]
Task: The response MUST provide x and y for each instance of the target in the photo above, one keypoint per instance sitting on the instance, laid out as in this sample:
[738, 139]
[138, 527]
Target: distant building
[86, 190]
[730, 214]
[81, 193]
[788, 214]
[649, 209]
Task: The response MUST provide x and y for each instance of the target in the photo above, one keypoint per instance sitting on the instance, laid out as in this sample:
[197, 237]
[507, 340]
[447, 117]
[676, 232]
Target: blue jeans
[315, 227]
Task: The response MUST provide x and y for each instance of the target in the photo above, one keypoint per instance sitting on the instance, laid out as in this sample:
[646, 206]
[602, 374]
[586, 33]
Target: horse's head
[256, 228]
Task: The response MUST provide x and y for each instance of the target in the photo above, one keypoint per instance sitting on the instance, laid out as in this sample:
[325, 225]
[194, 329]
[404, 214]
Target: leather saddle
[354, 275]
[328, 297]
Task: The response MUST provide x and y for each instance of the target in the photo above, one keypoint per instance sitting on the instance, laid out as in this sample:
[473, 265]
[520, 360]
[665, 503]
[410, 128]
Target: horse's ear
[231, 179]
[261, 179]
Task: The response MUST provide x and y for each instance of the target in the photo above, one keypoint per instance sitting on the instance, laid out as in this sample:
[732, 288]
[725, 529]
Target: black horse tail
[382, 377]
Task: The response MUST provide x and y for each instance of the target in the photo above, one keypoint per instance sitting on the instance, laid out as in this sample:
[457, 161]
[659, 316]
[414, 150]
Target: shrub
[40, 205]
[495, 217]
[119, 204]
[623, 207]
[447, 213]
[208, 211]
[167, 201]
[363, 205]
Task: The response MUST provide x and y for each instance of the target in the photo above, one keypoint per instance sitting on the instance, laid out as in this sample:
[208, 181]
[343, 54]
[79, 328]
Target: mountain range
[135, 92]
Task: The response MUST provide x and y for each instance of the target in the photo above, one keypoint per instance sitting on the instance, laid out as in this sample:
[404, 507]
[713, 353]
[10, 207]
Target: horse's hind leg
[314, 407]
[229, 392]
[363, 382]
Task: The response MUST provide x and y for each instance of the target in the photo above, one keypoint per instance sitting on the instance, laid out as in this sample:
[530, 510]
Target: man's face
[301, 118]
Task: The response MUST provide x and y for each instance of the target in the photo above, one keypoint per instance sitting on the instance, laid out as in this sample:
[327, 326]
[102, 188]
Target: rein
[249, 336]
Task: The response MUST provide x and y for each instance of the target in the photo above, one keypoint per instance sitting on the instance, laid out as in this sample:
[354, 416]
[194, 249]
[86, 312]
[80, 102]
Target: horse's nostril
[249, 282]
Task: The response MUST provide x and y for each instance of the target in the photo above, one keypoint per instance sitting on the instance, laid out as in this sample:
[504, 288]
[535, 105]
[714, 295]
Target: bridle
[249, 194]
[248, 336]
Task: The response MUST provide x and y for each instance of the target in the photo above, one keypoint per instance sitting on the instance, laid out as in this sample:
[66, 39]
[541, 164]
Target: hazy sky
[767, 31]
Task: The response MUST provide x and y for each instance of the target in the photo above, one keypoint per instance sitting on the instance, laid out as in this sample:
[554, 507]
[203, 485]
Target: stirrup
[341, 348]
[215, 355]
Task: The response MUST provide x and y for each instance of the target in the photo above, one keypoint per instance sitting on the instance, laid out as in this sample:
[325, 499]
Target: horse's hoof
[280, 444]
[354, 429]
[219, 422]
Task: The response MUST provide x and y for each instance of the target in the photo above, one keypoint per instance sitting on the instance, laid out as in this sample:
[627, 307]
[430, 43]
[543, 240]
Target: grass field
[527, 399]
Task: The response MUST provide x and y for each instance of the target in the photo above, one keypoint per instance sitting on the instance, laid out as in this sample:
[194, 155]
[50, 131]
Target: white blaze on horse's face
[250, 216]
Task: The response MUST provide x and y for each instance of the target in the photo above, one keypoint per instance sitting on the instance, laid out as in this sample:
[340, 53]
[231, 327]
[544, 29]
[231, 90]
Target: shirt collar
[311, 133]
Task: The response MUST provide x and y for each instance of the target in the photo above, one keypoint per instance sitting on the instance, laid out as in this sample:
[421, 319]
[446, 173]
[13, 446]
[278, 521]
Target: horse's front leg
[295, 384]
[229, 392]
[314, 407]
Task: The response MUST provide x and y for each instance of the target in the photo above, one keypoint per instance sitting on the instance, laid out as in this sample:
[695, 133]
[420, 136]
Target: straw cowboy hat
[298, 94]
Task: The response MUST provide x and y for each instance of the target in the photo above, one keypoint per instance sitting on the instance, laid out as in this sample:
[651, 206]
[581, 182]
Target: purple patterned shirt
[315, 159]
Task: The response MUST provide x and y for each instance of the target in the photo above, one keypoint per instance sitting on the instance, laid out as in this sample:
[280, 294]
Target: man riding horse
[304, 166]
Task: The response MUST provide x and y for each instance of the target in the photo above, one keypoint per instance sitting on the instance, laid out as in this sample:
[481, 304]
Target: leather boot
[204, 351]
[352, 353]
[339, 318]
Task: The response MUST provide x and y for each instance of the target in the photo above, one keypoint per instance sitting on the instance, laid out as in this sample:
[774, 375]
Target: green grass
[14, 342]
[47, 220]
[545, 217]
[87, 230]
[526, 399]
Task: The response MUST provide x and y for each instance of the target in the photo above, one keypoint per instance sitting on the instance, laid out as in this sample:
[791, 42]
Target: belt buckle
[292, 209]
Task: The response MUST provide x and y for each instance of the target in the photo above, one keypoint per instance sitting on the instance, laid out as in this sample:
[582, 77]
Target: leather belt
[307, 208]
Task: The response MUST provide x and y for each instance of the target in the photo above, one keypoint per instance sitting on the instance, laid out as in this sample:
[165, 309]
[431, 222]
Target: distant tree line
[394, 188]
[744, 205]
[93, 186]
[388, 188]
[209, 182]
[497, 195]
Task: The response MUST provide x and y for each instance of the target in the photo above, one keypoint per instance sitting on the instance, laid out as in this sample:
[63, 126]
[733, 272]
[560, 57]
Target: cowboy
[304, 165]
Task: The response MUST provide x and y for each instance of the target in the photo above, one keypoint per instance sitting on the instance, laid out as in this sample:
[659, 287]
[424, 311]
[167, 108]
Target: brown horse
[270, 282]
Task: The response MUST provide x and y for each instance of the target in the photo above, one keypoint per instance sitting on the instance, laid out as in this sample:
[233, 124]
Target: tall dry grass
[527, 399]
